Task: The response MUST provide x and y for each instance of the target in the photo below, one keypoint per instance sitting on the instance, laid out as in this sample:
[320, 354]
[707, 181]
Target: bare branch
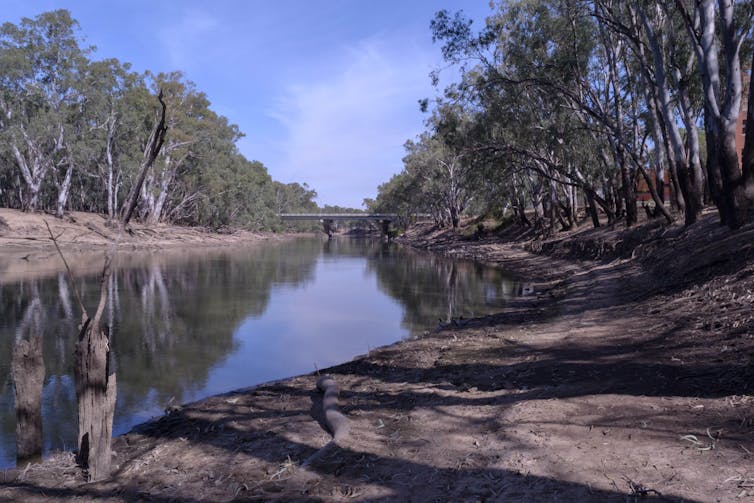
[151, 151]
[67, 268]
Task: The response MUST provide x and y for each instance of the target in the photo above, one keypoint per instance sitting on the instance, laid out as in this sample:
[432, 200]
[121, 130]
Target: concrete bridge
[328, 219]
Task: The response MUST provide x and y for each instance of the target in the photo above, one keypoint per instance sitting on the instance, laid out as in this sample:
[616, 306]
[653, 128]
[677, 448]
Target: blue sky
[325, 91]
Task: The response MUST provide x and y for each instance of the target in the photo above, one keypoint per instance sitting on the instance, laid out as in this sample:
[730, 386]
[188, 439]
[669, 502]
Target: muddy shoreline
[613, 382]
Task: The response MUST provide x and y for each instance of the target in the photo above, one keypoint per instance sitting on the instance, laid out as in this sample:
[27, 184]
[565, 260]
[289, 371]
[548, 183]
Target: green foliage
[561, 103]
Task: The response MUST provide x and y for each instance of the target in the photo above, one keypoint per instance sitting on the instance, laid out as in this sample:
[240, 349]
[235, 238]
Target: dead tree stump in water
[95, 384]
[95, 392]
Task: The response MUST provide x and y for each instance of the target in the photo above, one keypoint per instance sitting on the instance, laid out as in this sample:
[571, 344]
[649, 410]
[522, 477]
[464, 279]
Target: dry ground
[628, 378]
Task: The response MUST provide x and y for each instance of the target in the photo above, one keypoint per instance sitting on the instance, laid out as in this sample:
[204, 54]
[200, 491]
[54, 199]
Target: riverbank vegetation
[562, 105]
[74, 129]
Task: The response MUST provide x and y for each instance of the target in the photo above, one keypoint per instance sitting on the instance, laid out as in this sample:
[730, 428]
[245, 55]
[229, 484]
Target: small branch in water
[67, 268]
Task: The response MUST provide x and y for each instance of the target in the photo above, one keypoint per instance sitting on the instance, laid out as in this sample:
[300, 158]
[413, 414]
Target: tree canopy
[562, 105]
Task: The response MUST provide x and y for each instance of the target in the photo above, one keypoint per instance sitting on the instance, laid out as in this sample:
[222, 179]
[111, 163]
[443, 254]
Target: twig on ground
[699, 445]
[639, 490]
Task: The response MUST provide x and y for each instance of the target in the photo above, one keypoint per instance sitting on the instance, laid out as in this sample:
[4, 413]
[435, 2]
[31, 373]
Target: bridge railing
[338, 216]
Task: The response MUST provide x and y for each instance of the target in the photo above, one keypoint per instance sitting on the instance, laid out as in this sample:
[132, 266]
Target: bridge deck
[338, 216]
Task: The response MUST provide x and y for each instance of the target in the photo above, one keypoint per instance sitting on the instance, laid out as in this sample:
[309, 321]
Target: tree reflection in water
[177, 321]
[436, 289]
[27, 373]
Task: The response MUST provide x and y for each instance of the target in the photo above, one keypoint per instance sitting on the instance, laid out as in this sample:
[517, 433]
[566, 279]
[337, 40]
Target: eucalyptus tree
[747, 156]
[719, 29]
[441, 171]
[224, 191]
[569, 79]
[117, 105]
[294, 197]
[41, 103]
[525, 81]
[519, 155]
[151, 150]
[186, 111]
[448, 167]
[402, 194]
[659, 68]
[529, 61]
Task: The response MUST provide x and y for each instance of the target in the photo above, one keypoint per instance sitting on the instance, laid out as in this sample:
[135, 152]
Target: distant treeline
[73, 132]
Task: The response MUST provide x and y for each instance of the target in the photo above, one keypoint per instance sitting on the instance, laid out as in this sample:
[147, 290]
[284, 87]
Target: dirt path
[601, 387]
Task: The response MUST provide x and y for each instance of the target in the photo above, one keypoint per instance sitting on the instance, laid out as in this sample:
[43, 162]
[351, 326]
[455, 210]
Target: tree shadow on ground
[350, 467]
[29, 492]
[560, 372]
[346, 469]
[230, 425]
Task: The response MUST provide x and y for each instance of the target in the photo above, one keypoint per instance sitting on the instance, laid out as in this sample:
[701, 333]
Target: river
[187, 325]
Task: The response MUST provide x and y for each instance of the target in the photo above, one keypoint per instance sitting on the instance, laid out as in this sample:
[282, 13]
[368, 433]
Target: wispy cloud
[346, 128]
[187, 38]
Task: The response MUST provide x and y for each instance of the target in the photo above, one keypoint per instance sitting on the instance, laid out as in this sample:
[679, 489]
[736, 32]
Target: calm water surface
[191, 325]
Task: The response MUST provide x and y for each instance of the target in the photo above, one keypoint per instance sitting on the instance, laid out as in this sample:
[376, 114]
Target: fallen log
[336, 422]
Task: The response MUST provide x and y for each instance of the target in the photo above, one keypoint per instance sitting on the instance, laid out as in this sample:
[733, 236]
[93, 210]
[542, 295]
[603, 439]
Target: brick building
[741, 126]
[642, 190]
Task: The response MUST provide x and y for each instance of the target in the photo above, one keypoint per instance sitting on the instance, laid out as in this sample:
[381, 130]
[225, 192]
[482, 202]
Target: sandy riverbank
[626, 377]
[77, 231]
[26, 249]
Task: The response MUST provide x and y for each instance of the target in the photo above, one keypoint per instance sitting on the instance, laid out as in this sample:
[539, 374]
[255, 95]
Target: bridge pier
[328, 220]
[328, 227]
[385, 229]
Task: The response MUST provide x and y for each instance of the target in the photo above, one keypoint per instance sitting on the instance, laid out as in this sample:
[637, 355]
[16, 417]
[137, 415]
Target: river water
[188, 325]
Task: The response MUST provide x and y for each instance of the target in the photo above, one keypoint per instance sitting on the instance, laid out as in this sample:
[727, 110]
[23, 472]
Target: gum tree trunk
[721, 105]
